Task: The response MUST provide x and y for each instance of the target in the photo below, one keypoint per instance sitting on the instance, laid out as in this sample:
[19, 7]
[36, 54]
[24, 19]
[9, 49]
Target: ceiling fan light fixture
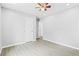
[67, 4]
[43, 6]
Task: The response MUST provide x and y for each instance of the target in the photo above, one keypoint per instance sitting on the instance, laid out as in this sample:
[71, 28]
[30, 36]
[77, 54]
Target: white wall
[30, 29]
[0, 25]
[0, 29]
[63, 27]
[15, 25]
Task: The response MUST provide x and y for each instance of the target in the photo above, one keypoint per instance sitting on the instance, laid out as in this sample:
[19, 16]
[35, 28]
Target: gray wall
[0, 25]
[63, 27]
[0, 29]
[16, 27]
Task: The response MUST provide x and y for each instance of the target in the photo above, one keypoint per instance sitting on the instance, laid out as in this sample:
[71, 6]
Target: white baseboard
[14, 44]
[62, 44]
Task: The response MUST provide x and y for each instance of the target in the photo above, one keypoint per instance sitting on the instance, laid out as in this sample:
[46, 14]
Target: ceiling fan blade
[48, 6]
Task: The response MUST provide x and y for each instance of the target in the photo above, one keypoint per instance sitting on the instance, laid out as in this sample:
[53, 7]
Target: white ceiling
[29, 8]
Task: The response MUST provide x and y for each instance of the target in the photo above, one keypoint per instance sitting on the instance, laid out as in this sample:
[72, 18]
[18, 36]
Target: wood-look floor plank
[39, 48]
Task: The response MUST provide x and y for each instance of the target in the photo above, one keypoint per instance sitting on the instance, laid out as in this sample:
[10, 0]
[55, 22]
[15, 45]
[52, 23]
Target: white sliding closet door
[63, 28]
[16, 28]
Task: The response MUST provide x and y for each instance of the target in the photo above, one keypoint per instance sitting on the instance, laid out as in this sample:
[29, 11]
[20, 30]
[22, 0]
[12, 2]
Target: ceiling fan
[43, 6]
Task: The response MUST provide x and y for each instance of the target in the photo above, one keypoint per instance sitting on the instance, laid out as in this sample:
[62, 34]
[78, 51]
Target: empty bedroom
[39, 29]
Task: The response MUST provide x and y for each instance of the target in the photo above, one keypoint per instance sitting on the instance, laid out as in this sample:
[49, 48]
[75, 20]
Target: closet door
[63, 28]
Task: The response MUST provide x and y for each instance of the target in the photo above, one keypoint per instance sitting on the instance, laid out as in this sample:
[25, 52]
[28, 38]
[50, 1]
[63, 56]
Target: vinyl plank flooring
[39, 48]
